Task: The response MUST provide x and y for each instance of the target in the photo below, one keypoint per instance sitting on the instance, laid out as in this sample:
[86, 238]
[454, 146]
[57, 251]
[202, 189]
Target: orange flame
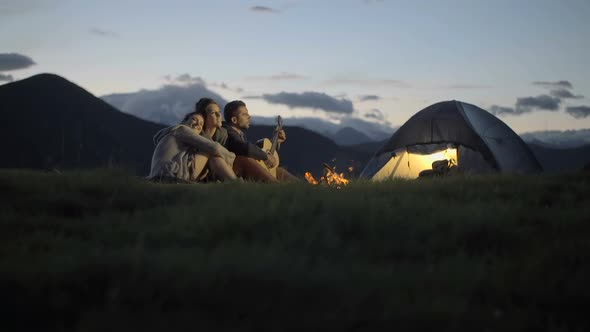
[310, 178]
[330, 177]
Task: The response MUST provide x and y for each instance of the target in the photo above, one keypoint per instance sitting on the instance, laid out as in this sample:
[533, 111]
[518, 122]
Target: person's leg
[284, 176]
[221, 168]
[250, 169]
[199, 162]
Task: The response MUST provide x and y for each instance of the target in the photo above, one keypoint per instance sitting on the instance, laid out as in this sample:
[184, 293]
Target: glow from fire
[330, 178]
[310, 178]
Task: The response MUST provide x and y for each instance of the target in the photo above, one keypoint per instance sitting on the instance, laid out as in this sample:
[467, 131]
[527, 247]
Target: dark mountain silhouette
[558, 139]
[306, 150]
[350, 136]
[369, 147]
[561, 160]
[49, 122]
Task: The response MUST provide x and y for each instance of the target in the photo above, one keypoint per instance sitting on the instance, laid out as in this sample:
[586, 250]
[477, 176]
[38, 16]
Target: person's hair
[202, 104]
[188, 116]
[231, 109]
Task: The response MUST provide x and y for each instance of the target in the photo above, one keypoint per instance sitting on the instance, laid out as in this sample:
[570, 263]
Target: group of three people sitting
[202, 148]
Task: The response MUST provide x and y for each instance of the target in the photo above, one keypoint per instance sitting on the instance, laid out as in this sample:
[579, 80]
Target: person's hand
[271, 161]
[282, 136]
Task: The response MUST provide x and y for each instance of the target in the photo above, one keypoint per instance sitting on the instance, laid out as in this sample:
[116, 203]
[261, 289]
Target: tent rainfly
[463, 134]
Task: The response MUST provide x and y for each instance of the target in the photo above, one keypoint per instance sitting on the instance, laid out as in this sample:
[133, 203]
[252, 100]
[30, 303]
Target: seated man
[177, 146]
[237, 120]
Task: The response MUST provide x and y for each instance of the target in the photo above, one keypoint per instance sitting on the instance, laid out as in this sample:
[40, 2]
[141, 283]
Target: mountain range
[558, 139]
[168, 104]
[51, 123]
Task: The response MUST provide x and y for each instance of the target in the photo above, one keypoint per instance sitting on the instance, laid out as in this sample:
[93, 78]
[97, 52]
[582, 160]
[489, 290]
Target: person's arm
[237, 145]
[188, 136]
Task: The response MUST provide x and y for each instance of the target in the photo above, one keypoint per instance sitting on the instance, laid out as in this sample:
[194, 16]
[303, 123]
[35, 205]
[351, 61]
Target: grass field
[104, 250]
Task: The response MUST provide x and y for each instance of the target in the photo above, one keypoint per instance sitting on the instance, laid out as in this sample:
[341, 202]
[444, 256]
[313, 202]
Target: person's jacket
[174, 148]
[237, 142]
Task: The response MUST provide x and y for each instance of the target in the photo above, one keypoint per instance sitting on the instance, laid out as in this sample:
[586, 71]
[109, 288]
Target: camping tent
[465, 135]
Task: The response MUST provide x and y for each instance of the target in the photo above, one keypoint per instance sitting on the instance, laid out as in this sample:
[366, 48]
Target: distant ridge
[561, 160]
[350, 136]
[49, 122]
[559, 139]
[53, 123]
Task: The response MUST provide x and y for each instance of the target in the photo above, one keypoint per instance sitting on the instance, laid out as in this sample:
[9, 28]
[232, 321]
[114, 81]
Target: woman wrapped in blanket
[182, 154]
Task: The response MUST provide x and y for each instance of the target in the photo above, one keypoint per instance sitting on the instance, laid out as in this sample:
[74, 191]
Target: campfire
[330, 177]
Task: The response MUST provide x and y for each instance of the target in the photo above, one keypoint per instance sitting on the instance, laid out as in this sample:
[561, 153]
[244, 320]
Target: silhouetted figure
[237, 120]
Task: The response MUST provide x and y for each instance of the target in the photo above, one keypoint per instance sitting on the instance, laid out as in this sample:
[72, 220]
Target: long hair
[201, 108]
[202, 104]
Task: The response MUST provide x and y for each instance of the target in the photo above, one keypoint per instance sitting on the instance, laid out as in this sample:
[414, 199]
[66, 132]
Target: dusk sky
[526, 61]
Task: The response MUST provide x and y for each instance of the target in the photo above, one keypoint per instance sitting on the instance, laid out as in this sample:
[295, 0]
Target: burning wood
[330, 177]
[310, 178]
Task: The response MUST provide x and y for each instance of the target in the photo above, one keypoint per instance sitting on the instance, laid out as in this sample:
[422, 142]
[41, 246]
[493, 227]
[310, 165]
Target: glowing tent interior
[466, 136]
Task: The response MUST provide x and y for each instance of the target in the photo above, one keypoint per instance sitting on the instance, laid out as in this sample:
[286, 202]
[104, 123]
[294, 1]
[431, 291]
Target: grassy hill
[104, 250]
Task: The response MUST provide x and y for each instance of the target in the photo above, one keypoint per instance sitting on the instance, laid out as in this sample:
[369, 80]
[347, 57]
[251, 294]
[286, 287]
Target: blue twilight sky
[375, 60]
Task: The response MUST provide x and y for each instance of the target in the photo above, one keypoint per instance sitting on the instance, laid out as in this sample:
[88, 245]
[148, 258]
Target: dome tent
[468, 136]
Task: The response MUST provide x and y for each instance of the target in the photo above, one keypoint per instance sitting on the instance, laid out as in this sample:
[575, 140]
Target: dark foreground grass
[103, 250]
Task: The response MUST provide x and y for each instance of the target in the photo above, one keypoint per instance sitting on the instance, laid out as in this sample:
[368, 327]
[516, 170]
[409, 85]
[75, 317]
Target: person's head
[195, 121]
[236, 114]
[210, 111]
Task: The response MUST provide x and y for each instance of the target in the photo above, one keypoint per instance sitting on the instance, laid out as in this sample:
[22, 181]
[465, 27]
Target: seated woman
[180, 150]
[246, 168]
[209, 110]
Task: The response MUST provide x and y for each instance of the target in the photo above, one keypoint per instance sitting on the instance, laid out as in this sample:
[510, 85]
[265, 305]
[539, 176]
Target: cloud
[371, 83]
[369, 97]
[314, 100]
[375, 114]
[279, 77]
[225, 86]
[252, 97]
[168, 104]
[578, 112]
[178, 95]
[542, 102]
[501, 110]
[466, 86]
[554, 85]
[559, 139]
[103, 33]
[6, 78]
[564, 94]
[368, 2]
[528, 104]
[14, 61]
[184, 79]
[264, 9]
[376, 131]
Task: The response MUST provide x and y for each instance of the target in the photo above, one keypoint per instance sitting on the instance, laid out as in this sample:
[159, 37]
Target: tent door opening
[408, 163]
